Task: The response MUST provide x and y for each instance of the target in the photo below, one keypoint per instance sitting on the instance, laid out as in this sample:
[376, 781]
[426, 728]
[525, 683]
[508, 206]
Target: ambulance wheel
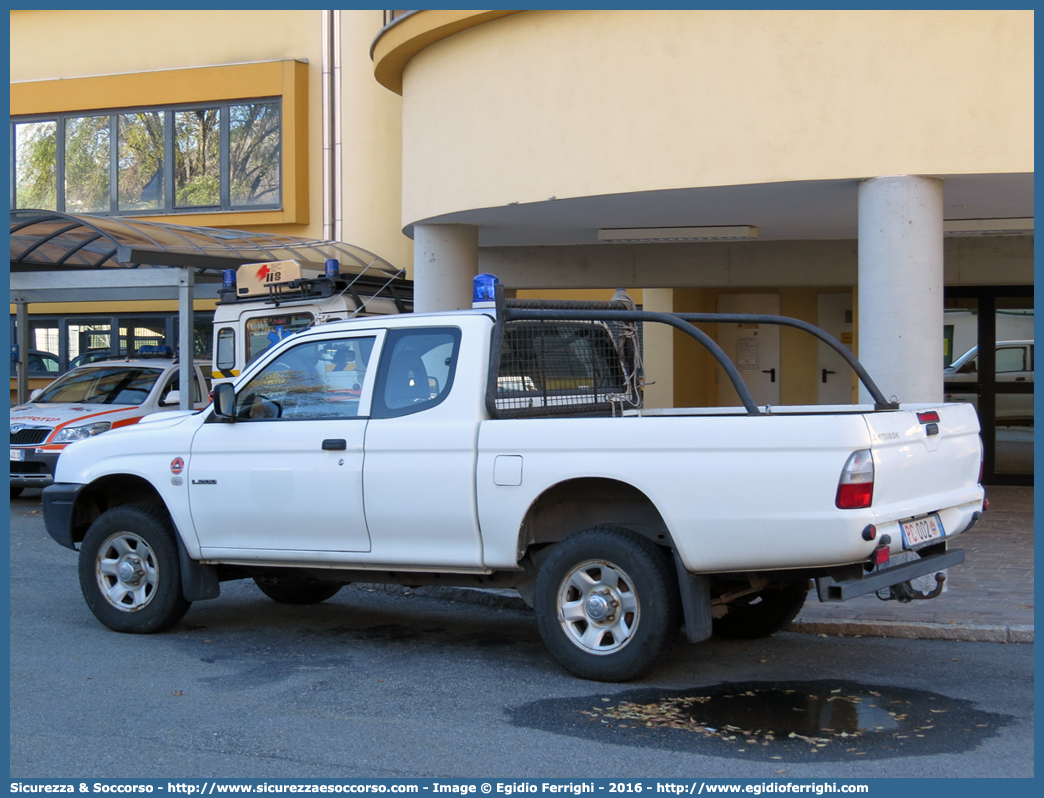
[291, 590]
[761, 614]
[130, 573]
[607, 604]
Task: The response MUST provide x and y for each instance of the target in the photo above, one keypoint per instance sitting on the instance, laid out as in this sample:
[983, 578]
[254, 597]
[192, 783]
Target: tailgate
[925, 466]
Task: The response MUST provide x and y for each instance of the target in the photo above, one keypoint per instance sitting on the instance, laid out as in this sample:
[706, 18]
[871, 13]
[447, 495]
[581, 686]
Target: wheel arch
[577, 504]
[112, 490]
[199, 582]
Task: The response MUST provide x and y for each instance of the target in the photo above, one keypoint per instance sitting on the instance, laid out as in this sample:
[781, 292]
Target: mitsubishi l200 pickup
[507, 446]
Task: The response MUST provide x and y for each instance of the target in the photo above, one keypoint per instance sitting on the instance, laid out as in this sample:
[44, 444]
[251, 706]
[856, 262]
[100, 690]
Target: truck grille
[26, 437]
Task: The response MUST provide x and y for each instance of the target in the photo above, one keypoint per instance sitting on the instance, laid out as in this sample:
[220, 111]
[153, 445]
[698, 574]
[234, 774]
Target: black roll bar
[880, 402]
[511, 310]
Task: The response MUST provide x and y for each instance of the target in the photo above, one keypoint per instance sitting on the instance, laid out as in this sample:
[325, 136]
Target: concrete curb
[919, 630]
[980, 633]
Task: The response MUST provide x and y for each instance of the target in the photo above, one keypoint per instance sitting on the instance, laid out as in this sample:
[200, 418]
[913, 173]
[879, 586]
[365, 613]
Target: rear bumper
[831, 590]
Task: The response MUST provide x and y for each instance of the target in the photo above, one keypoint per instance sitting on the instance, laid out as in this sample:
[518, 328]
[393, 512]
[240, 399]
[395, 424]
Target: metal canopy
[58, 257]
[75, 241]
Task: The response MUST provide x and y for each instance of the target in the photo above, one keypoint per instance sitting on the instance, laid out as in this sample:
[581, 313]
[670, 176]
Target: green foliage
[36, 172]
[254, 149]
[87, 153]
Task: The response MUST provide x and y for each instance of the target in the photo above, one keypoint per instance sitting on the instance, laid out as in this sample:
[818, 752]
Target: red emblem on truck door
[177, 465]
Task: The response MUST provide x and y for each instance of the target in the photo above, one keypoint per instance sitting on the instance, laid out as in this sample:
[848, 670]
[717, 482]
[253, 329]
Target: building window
[60, 343]
[220, 156]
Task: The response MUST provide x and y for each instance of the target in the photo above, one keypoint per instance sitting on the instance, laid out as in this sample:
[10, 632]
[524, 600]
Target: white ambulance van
[263, 303]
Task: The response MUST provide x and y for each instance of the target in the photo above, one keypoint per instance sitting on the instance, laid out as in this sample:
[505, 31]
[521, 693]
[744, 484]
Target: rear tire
[607, 604]
[763, 614]
[130, 572]
[291, 590]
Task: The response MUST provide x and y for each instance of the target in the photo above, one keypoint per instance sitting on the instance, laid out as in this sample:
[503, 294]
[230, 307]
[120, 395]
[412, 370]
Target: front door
[287, 475]
[754, 348]
[834, 377]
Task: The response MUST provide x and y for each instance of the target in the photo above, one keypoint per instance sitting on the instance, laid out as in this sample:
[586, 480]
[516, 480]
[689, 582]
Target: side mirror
[36, 393]
[225, 402]
[172, 398]
[968, 368]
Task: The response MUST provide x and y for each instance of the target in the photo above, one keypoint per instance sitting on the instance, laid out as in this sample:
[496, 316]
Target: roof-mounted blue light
[333, 268]
[228, 278]
[156, 351]
[484, 294]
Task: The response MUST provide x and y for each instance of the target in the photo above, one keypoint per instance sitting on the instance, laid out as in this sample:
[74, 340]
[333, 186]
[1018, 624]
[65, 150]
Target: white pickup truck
[507, 446]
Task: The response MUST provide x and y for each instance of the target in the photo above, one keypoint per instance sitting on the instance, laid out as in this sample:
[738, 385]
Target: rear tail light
[855, 489]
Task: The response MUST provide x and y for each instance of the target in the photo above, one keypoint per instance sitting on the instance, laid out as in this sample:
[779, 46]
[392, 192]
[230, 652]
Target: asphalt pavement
[372, 684]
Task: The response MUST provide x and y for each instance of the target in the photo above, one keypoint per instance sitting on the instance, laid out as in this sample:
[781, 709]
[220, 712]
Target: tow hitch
[904, 592]
[895, 579]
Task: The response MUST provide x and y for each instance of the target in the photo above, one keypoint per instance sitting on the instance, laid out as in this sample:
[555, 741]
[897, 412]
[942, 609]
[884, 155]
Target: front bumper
[58, 502]
[36, 470]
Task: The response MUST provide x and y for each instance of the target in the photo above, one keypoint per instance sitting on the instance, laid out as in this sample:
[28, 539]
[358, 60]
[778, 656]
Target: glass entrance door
[990, 362]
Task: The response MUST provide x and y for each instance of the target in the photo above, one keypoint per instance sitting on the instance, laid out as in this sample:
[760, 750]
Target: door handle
[825, 372]
[335, 444]
[771, 373]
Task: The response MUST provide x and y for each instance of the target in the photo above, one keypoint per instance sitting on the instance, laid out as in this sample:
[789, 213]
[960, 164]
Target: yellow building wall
[584, 103]
[168, 51]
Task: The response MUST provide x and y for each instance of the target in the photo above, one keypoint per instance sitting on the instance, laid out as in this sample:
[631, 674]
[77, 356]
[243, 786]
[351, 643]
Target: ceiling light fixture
[987, 227]
[645, 235]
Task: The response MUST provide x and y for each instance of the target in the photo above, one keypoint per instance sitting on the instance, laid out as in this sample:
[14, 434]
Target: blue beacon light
[484, 294]
[333, 268]
[228, 278]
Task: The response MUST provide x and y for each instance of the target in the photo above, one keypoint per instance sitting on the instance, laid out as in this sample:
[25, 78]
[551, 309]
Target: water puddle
[792, 721]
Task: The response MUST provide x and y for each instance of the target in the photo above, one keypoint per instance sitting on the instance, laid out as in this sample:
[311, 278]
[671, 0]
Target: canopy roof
[47, 240]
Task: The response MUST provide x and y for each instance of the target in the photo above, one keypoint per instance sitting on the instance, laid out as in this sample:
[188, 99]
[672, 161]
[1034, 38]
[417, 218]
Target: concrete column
[901, 286]
[445, 259]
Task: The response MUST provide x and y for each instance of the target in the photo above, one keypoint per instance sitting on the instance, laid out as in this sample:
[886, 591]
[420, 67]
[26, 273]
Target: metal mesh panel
[559, 368]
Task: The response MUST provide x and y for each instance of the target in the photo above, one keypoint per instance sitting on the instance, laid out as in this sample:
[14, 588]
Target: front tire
[290, 590]
[130, 573]
[763, 614]
[607, 604]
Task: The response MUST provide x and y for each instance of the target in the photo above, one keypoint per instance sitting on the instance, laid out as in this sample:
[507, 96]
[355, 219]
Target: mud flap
[696, 602]
[198, 582]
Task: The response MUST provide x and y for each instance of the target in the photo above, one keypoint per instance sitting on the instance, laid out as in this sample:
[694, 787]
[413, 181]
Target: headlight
[70, 434]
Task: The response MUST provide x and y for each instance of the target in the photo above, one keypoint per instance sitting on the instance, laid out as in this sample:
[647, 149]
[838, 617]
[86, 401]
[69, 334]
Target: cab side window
[174, 384]
[416, 371]
[312, 381]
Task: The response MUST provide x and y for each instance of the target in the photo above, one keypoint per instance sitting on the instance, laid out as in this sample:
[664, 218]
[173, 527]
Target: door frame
[987, 388]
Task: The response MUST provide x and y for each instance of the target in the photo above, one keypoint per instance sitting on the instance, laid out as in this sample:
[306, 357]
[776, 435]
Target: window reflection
[316, 380]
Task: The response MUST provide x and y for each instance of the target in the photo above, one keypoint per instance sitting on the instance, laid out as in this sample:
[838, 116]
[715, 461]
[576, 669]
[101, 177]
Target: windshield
[117, 385]
[263, 331]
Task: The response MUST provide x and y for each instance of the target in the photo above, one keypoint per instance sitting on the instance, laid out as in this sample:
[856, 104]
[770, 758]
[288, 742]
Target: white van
[266, 302]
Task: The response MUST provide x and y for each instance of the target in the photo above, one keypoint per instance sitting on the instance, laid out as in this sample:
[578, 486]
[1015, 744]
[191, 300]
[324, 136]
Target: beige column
[445, 259]
[901, 286]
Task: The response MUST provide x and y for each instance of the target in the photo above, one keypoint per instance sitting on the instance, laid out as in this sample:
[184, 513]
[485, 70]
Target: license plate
[922, 530]
[17, 454]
